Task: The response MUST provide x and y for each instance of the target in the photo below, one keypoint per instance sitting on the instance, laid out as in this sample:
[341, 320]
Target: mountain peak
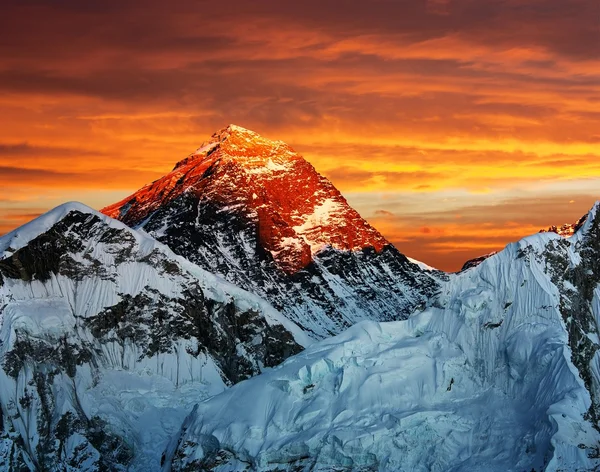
[244, 146]
[22, 235]
[240, 135]
[296, 211]
[256, 213]
[240, 130]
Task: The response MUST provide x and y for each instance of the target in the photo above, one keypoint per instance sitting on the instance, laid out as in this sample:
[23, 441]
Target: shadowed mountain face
[255, 212]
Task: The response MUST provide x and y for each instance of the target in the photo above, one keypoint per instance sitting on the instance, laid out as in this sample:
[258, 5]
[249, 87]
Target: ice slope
[498, 373]
[107, 339]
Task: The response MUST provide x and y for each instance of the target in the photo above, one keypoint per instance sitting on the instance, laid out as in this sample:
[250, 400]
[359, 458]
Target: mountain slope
[501, 372]
[255, 212]
[107, 338]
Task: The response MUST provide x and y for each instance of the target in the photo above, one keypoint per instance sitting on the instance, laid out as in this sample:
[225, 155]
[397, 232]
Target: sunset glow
[453, 127]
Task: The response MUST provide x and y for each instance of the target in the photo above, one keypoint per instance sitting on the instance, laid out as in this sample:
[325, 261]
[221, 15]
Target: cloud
[26, 149]
[101, 179]
[367, 180]
[383, 213]
[420, 98]
[436, 236]
[13, 217]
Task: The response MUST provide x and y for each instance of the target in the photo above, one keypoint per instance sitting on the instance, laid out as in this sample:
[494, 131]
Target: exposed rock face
[83, 297]
[257, 213]
[578, 281]
[296, 211]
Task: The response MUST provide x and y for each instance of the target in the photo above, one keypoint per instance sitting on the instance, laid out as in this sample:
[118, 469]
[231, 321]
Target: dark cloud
[25, 149]
[236, 61]
[566, 27]
[383, 213]
[10, 173]
[101, 179]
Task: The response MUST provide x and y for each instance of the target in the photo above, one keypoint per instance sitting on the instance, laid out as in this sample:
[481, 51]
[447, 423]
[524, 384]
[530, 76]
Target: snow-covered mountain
[107, 339]
[255, 212]
[500, 372]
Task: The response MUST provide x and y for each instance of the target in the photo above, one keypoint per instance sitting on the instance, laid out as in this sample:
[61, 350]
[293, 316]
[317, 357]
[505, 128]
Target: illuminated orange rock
[568, 229]
[298, 211]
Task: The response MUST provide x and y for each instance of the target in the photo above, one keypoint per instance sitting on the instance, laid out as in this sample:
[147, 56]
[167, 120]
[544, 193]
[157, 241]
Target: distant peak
[594, 210]
[587, 222]
[230, 130]
[476, 261]
[239, 132]
[22, 235]
[243, 134]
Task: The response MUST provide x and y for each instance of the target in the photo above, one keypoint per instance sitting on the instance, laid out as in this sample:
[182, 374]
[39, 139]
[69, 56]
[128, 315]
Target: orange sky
[454, 127]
